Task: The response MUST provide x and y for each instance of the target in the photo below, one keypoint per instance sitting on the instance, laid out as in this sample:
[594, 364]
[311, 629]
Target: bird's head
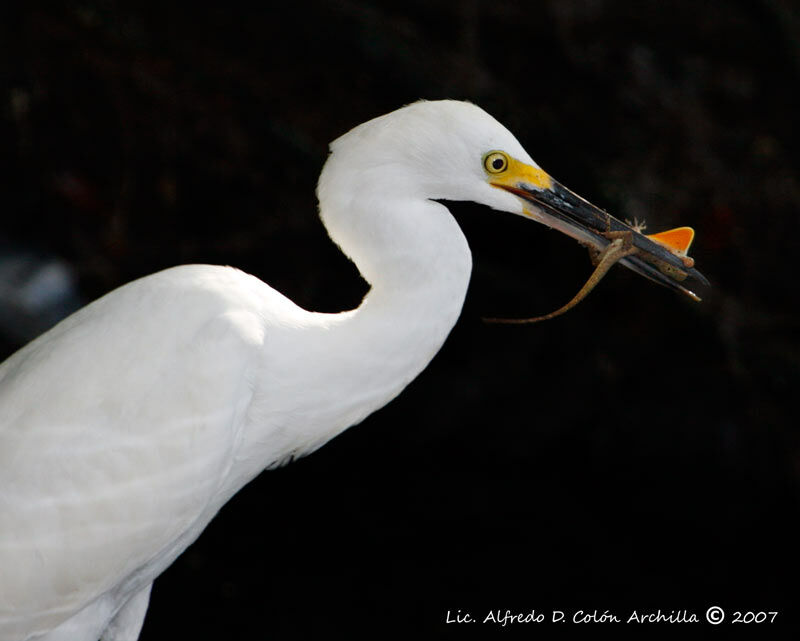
[451, 150]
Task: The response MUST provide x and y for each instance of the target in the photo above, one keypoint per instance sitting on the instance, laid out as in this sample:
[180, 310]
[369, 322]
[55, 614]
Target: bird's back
[117, 431]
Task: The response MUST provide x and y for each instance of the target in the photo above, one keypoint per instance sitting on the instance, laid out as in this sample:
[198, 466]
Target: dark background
[641, 452]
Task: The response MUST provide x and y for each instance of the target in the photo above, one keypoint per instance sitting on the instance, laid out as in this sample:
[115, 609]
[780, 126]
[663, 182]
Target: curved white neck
[418, 267]
[336, 369]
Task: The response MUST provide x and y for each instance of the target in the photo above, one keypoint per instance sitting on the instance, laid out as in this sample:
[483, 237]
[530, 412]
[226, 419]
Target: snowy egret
[126, 427]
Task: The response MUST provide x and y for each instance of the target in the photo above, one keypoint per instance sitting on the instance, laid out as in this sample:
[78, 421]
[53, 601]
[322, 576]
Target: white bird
[126, 427]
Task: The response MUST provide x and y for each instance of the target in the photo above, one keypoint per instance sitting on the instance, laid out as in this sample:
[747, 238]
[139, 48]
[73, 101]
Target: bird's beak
[659, 257]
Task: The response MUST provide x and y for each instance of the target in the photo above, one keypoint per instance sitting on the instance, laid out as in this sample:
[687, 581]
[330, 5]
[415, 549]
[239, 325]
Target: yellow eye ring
[495, 162]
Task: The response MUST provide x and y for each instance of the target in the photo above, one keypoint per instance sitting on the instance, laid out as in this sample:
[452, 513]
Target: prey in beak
[660, 257]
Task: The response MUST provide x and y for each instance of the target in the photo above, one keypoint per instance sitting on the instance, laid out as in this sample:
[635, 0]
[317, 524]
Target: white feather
[125, 428]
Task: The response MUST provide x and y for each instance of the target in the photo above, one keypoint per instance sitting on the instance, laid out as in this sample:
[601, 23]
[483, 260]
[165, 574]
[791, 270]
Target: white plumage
[126, 427]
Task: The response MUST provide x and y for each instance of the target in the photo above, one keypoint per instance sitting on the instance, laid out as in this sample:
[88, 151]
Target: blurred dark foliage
[640, 452]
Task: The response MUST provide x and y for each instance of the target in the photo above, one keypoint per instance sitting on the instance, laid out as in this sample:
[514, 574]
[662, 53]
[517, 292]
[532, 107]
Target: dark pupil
[498, 163]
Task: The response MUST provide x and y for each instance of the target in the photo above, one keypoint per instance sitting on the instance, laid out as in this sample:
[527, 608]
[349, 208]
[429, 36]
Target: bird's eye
[495, 162]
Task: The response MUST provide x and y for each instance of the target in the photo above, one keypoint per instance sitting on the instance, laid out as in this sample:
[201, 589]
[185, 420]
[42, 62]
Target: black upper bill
[590, 225]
